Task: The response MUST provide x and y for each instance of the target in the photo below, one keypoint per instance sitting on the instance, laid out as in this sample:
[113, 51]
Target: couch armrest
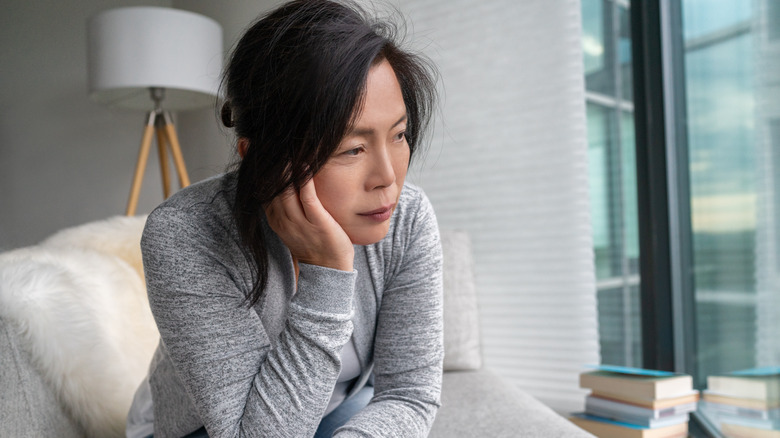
[28, 406]
[481, 404]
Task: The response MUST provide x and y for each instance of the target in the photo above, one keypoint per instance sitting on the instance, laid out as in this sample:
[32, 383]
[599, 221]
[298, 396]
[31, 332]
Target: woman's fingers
[309, 231]
[282, 209]
[312, 208]
[290, 205]
[300, 207]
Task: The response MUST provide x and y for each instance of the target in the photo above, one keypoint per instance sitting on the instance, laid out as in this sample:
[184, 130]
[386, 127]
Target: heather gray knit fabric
[269, 370]
[28, 405]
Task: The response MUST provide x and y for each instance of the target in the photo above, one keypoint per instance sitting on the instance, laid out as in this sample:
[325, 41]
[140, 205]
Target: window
[606, 44]
[707, 111]
[720, 75]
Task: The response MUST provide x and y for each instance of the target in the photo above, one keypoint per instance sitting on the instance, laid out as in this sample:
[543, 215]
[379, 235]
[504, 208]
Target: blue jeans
[330, 422]
[344, 412]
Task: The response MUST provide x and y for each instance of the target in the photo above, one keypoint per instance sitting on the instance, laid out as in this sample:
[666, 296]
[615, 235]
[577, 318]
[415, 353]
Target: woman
[301, 294]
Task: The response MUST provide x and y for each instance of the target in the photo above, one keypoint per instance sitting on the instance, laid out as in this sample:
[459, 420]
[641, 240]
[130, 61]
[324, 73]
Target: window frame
[663, 194]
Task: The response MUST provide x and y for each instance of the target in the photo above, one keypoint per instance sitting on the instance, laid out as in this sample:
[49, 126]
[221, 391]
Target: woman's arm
[408, 349]
[240, 384]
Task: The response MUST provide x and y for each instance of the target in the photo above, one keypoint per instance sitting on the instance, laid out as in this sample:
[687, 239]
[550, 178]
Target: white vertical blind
[767, 59]
[508, 163]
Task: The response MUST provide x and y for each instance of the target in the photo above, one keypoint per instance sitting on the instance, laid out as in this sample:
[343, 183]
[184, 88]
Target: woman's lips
[380, 214]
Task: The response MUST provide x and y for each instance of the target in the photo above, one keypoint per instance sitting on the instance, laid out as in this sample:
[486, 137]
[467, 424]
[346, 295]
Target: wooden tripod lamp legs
[140, 167]
[166, 137]
[178, 158]
[162, 151]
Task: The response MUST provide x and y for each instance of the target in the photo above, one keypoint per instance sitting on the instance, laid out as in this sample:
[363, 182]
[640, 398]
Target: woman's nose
[382, 172]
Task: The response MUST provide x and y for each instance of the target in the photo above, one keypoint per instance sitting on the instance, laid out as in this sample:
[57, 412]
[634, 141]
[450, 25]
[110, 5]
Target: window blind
[766, 54]
[508, 163]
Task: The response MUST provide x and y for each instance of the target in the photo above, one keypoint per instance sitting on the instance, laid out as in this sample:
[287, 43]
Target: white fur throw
[79, 302]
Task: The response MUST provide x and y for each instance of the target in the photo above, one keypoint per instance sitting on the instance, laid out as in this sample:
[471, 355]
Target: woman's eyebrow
[358, 132]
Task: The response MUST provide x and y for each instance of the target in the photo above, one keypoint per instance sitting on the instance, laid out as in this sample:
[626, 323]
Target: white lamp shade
[132, 49]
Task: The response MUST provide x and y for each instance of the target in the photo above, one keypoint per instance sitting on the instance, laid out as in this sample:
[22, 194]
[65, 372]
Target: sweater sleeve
[239, 383]
[408, 350]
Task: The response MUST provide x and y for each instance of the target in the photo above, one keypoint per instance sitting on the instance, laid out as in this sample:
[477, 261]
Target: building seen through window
[606, 44]
[731, 58]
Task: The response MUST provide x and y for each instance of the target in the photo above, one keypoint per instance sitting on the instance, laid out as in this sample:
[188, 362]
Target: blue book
[632, 371]
[638, 415]
[763, 371]
[716, 408]
[586, 416]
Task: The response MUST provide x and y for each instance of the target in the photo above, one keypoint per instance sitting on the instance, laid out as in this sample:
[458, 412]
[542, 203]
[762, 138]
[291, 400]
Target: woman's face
[361, 183]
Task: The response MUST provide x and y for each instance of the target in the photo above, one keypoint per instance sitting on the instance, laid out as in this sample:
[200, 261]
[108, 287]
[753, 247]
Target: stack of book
[744, 403]
[631, 402]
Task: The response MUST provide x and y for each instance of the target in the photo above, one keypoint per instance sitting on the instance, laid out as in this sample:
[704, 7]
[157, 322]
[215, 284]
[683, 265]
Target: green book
[637, 383]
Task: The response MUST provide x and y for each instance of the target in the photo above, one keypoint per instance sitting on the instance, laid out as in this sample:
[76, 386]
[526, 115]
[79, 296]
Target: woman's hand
[309, 231]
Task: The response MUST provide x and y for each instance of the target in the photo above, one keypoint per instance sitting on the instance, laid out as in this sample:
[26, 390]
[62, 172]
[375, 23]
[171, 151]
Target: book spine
[617, 407]
[751, 422]
[746, 387]
[612, 386]
[638, 420]
[727, 409]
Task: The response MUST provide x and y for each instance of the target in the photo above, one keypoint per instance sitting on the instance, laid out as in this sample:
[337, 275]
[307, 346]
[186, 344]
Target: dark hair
[294, 85]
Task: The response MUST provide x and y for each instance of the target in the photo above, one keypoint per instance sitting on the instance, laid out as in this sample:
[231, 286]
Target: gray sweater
[269, 370]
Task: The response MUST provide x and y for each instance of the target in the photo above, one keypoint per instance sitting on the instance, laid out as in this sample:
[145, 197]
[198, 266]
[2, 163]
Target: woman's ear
[243, 146]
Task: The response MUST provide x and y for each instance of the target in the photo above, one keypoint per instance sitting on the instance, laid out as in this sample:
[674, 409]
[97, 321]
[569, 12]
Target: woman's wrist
[341, 262]
[325, 289]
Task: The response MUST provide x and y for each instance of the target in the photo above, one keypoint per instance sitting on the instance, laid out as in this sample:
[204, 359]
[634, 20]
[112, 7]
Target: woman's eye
[353, 151]
[400, 136]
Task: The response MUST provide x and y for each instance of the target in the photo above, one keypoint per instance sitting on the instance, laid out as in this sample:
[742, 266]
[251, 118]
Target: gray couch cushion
[461, 317]
[480, 404]
[28, 406]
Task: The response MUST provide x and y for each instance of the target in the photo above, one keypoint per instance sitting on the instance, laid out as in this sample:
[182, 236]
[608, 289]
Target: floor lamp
[155, 59]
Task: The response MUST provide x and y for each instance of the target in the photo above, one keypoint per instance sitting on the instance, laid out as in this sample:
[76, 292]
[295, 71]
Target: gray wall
[202, 129]
[65, 160]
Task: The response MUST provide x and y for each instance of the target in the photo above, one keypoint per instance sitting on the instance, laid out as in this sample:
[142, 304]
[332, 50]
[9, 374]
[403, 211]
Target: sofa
[76, 336]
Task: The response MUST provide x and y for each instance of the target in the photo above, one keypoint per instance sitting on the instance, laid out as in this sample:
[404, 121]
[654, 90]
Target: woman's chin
[368, 235]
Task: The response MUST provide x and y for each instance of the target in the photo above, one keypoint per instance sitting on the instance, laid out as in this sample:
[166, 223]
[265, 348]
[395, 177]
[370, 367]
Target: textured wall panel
[508, 163]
